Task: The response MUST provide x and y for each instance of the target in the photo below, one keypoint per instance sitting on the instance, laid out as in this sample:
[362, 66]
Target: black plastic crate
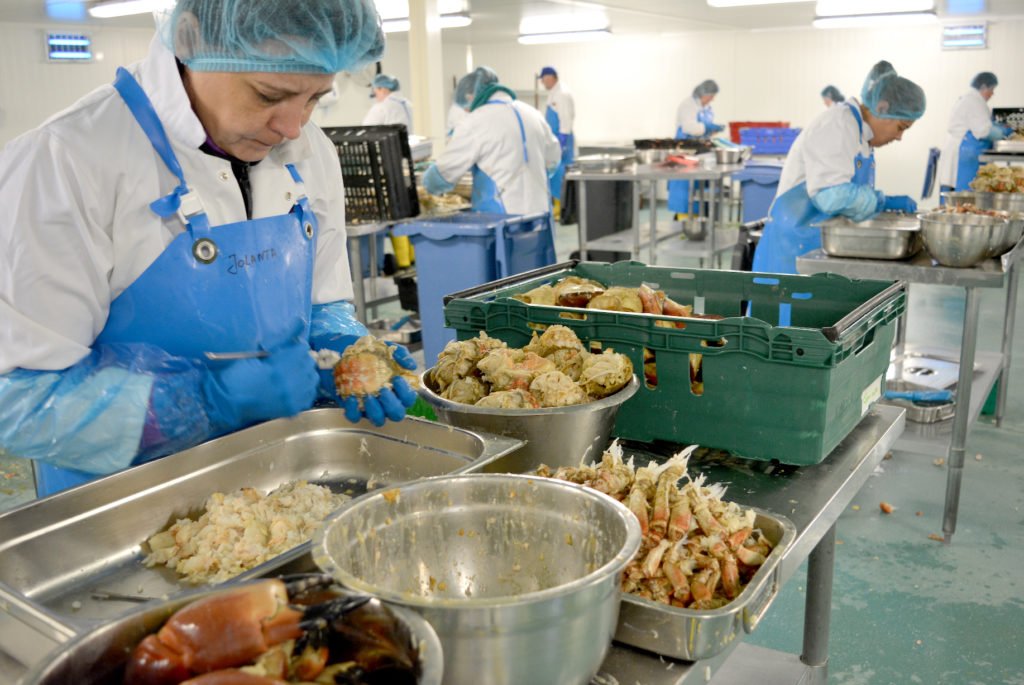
[376, 165]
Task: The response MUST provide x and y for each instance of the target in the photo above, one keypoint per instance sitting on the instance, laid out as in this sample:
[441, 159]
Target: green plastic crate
[801, 358]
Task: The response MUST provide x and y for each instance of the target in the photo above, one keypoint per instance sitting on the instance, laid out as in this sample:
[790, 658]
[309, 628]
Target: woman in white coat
[389, 107]
[174, 244]
[971, 132]
[694, 119]
[507, 145]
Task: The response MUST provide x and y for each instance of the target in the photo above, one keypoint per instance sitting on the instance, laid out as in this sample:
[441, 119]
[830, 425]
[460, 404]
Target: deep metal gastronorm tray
[692, 635]
[887, 236]
[604, 162]
[1009, 146]
[57, 551]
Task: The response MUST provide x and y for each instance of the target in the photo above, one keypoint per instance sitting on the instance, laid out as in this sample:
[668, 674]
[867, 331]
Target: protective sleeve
[853, 200]
[333, 320]
[122, 404]
[434, 183]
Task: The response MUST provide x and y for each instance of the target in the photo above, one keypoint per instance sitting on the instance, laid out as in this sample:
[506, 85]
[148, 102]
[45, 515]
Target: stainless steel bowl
[99, 657]
[1007, 202]
[959, 197]
[558, 436]
[960, 240]
[731, 155]
[884, 236]
[518, 575]
[1013, 204]
[650, 156]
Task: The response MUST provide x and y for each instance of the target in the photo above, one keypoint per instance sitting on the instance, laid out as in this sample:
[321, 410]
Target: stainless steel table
[354, 232]
[992, 273]
[812, 497]
[706, 196]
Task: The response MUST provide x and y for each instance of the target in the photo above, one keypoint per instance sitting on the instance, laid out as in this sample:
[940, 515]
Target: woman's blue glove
[387, 404]
[243, 392]
[434, 183]
[899, 203]
[713, 128]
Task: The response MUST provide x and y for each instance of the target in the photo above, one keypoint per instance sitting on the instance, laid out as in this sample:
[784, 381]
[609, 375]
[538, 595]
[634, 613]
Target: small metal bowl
[731, 155]
[959, 198]
[960, 240]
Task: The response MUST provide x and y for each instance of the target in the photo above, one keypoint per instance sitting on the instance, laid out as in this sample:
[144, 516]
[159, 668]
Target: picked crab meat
[605, 374]
[508, 369]
[617, 299]
[459, 358]
[555, 389]
[367, 367]
[509, 399]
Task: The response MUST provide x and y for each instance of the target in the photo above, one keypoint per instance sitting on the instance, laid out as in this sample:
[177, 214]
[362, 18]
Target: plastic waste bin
[758, 185]
[468, 249]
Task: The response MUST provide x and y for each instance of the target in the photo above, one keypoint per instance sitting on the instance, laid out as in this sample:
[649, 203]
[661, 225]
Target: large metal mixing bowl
[99, 656]
[1007, 202]
[1010, 235]
[558, 436]
[518, 575]
[960, 240]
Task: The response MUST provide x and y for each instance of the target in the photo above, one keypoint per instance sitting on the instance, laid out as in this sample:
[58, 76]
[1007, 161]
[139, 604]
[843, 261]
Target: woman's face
[705, 100]
[885, 130]
[248, 113]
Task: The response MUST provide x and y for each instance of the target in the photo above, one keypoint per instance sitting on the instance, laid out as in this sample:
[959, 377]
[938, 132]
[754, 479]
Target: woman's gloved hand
[243, 392]
[714, 128]
[388, 403]
[899, 203]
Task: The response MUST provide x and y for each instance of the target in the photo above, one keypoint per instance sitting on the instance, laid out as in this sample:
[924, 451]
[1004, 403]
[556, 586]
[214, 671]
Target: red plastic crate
[735, 126]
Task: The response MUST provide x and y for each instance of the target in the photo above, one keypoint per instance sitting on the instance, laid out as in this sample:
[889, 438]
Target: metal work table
[977, 373]
[650, 175]
[353, 234]
[812, 497]
[1006, 157]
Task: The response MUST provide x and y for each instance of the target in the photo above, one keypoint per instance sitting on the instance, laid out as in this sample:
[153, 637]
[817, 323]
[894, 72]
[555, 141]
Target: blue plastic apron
[967, 161]
[238, 287]
[568, 143]
[679, 191]
[485, 197]
[788, 232]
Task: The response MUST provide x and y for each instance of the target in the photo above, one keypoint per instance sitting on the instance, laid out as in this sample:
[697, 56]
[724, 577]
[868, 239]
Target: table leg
[962, 418]
[358, 294]
[714, 213]
[581, 226]
[635, 226]
[374, 275]
[1008, 321]
[653, 224]
[818, 607]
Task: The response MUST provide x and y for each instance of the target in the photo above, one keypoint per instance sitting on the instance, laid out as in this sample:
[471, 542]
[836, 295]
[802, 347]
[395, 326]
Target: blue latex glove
[853, 200]
[387, 404]
[246, 391]
[434, 182]
[713, 128]
[899, 203]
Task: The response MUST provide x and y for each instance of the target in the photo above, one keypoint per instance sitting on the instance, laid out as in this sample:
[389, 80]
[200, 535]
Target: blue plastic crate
[468, 249]
[758, 183]
[769, 141]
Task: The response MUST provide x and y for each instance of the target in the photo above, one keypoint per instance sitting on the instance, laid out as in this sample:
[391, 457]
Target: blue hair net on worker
[472, 83]
[832, 93]
[984, 79]
[385, 81]
[708, 87]
[890, 96]
[296, 36]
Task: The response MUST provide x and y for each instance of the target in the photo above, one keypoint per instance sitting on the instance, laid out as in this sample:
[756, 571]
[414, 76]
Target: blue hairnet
[385, 81]
[890, 96]
[472, 83]
[832, 93]
[297, 36]
[707, 87]
[548, 71]
[985, 79]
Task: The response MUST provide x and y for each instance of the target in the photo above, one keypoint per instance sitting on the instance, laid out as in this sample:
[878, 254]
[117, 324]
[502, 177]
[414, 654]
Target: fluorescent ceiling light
[448, 21]
[876, 20]
[745, 3]
[399, 9]
[841, 8]
[962, 37]
[122, 8]
[563, 23]
[564, 36]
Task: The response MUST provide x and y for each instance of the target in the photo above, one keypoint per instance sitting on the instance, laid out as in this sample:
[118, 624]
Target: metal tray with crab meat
[692, 634]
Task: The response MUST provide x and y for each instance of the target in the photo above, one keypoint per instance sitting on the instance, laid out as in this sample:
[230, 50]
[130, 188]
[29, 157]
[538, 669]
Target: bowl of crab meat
[553, 393]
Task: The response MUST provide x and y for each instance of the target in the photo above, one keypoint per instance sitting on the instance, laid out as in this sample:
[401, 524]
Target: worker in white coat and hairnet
[694, 119]
[830, 95]
[507, 145]
[389, 107]
[172, 246]
[560, 114]
[971, 132]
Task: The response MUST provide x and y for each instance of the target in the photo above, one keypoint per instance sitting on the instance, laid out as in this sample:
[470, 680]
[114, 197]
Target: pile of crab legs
[697, 551]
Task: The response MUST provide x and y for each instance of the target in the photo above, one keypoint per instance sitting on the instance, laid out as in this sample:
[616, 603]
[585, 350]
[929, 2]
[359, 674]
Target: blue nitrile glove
[243, 392]
[899, 203]
[853, 200]
[387, 404]
[434, 182]
[998, 132]
[713, 128]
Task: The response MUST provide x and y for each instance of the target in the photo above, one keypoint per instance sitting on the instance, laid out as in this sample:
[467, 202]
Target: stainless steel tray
[919, 412]
[1009, 146]
[604, 162]
[886, 236]
[693, 635]
[55, 552]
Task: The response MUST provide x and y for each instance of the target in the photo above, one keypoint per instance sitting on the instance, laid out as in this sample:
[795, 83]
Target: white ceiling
[498, 20]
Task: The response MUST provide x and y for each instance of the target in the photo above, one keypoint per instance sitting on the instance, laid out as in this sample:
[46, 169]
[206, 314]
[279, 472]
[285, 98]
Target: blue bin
[468, 249]
[769, 141]
[758, 183]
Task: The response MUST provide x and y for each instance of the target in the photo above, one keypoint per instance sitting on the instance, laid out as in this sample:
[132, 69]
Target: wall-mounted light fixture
[122, 8]
[747, 3]
[965, 37]
[832, 14]
[563, 28]
[447, 21]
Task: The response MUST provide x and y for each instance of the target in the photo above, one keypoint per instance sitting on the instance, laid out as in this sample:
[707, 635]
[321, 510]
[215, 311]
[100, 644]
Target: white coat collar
[158, 75]
[867, 133]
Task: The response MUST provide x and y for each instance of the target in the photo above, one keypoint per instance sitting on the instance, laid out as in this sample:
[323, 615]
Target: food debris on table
[939, 462]
[937, 538]
[885, 507]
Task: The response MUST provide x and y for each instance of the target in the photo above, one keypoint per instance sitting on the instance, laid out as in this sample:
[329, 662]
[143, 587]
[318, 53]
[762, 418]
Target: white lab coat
[686, 117]
[490, 138]
[455, 115]
[76, 228]
[562, 102]
[970, 113]
[824, 152]
[394, 109]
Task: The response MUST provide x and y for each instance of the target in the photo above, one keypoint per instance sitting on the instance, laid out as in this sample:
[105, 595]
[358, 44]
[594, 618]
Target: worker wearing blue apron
[830, 170]
[694, 119]
[971, 133]
[560, 114]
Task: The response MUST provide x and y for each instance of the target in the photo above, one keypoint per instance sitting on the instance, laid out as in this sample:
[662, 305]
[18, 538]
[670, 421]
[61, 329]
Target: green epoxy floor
[906, 609]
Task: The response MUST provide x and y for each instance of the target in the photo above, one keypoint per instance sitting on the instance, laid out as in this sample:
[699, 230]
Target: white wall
[629, 88]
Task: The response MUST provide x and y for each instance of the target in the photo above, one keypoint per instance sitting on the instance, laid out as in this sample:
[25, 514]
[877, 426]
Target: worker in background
[971, 132]
[506, 143]
[694, 119]
[560, 115]
[189, 211]
[389, 107]
[830, 170]
[830, 95]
